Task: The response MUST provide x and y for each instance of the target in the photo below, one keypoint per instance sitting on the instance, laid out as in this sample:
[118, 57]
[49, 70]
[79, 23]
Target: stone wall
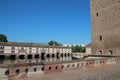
[105, 22]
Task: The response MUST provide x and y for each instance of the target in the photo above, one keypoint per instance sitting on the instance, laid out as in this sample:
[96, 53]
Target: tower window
[100, 37]
[97, 14]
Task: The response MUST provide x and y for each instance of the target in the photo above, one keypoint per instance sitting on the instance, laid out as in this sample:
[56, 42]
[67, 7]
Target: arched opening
[7, 72]
[53, 55]
[42, 68]
[12, 57]
[26, 70]
[17, 71]
[2, 57]
[43, 56]
[22, 56]
[57, 55]
[56, 67]
[100, 52]
[48, 55]
[50, 68]
[36, 56]
[62, 67]
[110, 52]
[35, 69]
[68, 66]
[29, 56]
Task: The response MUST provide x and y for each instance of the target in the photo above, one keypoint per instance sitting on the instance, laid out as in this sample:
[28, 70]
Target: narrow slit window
[97, 14]
[100, 37]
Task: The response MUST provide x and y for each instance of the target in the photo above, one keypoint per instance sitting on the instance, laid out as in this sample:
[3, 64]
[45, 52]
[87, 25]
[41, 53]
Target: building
[88, 49]
[105, 22]
[34, 52]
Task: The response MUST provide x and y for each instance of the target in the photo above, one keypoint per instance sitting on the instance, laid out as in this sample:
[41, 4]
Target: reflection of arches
[12, 57]
[2, 57]
[29, 56]
[43, 56]
[57, 55]
[17, 71]
[7, 72]
[61, 55]
[48, 55]
[36, 56]
[22, 56]
[65, 54]
[53, 55]
[68, 54]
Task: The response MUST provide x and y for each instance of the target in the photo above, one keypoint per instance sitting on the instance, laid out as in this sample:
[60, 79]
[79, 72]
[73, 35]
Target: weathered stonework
[105, 22]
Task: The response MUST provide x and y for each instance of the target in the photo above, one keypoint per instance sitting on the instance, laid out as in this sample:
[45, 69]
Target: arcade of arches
[43, 56]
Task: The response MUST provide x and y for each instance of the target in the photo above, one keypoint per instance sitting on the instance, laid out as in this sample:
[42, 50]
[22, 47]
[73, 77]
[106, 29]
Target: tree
[3, 38]
[54, 43]
[78, 48]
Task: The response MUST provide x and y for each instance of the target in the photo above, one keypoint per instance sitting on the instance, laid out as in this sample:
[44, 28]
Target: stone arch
[43, 56]
[111, 52]
[53, 55]
[50, 68]
[36, 56]
[62, 66]
[68, 66]
[100, 52]
[56, 67]
[21, 56]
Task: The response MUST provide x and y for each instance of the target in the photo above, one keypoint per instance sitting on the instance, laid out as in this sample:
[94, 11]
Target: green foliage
[3, 38]
[54, 43]
[78, 48]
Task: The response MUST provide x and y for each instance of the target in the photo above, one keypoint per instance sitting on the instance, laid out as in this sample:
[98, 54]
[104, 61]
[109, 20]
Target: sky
[64, 21]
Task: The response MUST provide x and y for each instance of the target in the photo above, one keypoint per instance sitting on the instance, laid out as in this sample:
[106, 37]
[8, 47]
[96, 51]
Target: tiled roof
[24, 44]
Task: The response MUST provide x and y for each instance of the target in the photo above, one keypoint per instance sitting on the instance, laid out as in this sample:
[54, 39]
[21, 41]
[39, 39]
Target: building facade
[34, 52]
[105, 22]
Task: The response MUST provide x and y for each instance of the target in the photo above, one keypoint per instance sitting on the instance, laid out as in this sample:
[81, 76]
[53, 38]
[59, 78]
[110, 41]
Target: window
[100, 38]
[97, 14]
[110, 52]
[100, 52]
[50, 68]
[26, 70]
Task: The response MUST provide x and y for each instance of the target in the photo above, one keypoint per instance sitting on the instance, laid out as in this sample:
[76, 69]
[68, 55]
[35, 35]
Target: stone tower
[105, 23]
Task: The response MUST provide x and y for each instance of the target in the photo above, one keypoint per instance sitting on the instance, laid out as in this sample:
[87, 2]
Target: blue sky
[65, 21]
